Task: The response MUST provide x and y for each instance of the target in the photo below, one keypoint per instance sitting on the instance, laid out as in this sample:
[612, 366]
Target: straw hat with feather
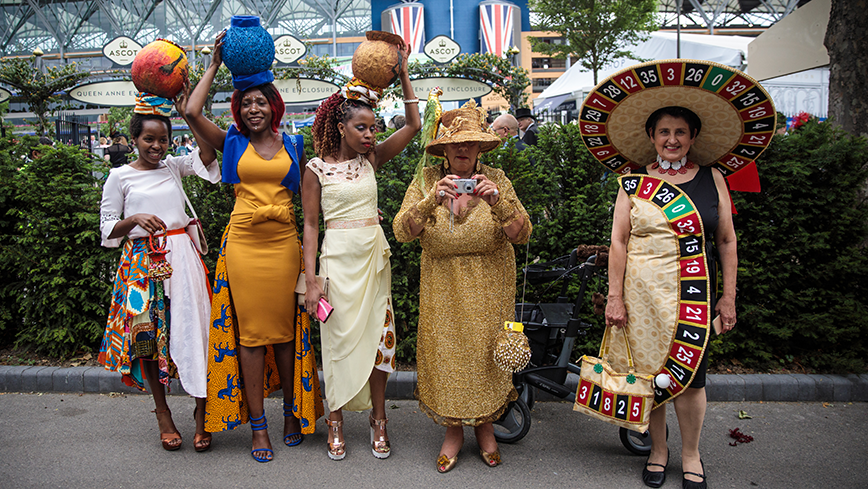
[465, 124]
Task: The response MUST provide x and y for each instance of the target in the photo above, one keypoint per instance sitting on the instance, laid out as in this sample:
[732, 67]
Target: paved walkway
[755, 387]
[99, 440]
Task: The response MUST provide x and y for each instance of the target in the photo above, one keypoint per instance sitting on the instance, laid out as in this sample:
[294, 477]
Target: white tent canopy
[728, 50]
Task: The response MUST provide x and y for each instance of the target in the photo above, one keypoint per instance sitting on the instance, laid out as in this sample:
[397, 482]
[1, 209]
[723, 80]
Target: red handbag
[158, 268]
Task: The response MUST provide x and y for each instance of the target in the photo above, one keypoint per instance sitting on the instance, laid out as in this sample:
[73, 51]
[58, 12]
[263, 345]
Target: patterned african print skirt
[227, 400]
[138, 321]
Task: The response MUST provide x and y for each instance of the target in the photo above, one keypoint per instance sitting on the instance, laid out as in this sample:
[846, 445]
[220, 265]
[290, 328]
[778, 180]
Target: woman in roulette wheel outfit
[697, 117]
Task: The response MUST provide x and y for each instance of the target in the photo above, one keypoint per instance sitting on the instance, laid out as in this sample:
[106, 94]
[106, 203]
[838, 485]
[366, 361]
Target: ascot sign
[288, 49]
[442, 49]
[4, 95]
[122, 50]
[454, 89]
[111, 93]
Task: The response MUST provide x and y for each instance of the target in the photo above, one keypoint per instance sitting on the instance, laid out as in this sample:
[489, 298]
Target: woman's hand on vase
[180, 100]
[217, 51]
[405, 55]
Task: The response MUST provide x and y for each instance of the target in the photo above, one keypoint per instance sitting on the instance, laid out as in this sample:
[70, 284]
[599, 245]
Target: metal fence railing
[70, 129]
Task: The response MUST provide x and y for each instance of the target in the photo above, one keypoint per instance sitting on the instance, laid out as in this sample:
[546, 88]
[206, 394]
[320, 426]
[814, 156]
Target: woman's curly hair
[326, 137]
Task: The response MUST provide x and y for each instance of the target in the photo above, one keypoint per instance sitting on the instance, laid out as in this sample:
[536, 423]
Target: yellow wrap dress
[261, 250]
[254, 297]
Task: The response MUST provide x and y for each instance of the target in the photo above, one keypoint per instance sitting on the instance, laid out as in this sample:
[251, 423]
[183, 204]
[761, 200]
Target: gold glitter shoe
[379, 444]
[336, 443]
[445, 464]
[490, 459]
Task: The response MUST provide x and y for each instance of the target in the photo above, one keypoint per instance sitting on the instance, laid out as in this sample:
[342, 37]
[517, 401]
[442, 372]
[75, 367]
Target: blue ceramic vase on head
[247, 47]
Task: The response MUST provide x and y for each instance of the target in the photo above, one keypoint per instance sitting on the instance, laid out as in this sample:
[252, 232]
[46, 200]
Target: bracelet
[411, 101]
[504, 212]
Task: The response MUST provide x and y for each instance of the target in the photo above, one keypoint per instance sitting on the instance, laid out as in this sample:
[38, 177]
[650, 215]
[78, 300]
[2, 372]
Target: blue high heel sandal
[259, 424]
[287, 412]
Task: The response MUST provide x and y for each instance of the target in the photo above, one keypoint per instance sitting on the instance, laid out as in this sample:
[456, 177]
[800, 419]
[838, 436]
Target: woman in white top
[140, 199]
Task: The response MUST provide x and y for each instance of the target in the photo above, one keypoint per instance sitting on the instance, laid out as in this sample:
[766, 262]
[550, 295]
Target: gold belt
[358, 223]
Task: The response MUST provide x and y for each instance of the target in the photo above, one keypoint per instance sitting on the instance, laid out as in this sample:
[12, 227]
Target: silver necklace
[675, 165]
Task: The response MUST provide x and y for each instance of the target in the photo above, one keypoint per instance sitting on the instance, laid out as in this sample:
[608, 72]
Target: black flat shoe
[655, 479]
[688, 484]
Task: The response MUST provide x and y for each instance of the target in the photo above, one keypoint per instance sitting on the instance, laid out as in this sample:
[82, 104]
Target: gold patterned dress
[467, 291]
[360, 334]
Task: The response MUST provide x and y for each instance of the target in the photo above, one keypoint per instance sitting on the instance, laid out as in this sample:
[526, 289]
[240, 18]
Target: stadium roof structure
[725, 14]
[85, 26]
[69, 26]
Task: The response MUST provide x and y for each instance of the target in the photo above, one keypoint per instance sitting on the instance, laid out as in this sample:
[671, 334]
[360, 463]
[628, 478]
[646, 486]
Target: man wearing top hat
[527, 125]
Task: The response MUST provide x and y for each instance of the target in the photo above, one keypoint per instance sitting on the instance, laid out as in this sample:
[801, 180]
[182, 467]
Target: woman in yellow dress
[467, 286]
[358, 340]
[260, 262]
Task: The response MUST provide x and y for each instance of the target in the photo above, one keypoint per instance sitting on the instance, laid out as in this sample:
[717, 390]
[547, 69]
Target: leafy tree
[222, 83]
[802, 258]
[40, 91]
[595, 31]
[118, 119]
[57, 277]
[317, 67]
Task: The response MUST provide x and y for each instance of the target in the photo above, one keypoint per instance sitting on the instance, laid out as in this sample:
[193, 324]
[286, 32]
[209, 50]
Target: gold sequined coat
[467, 291]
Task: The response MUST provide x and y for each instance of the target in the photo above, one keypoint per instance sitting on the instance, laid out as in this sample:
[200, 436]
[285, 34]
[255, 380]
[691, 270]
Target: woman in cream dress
[358, 340]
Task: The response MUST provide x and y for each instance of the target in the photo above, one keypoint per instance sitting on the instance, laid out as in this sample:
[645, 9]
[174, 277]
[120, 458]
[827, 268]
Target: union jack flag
[496, 22]
[409, 23]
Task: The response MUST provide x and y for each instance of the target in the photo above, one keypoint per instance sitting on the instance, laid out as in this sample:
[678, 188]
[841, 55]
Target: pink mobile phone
[323, 310]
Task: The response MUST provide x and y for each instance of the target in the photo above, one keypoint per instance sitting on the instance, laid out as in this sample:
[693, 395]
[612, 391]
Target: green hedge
[801, 294]
[56, 278]
[803, 265]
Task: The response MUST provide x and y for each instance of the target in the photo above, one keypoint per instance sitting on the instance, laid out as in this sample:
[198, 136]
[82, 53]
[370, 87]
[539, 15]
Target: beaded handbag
[158, 269]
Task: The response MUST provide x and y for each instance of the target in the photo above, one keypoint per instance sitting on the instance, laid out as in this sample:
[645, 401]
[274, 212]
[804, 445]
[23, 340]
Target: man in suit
[506, 127]
[527, 124]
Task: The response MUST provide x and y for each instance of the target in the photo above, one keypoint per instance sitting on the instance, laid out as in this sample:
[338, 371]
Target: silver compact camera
[465, 185]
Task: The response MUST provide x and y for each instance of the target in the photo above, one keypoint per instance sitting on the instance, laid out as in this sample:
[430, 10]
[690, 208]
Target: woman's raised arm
[206, 130]
[396, 143]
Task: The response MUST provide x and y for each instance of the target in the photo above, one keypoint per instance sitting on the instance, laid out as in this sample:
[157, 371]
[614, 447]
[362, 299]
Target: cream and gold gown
[467, 291]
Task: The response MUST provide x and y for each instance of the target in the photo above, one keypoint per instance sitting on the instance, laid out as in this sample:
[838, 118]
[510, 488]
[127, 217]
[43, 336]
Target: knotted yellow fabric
[279, 213]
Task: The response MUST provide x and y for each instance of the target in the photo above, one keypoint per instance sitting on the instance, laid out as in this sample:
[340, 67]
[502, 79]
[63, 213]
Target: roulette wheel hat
[737, 114]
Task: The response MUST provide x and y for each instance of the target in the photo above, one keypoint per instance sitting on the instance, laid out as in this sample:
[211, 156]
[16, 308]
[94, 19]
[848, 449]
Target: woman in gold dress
[467, 286]
[260, 260]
